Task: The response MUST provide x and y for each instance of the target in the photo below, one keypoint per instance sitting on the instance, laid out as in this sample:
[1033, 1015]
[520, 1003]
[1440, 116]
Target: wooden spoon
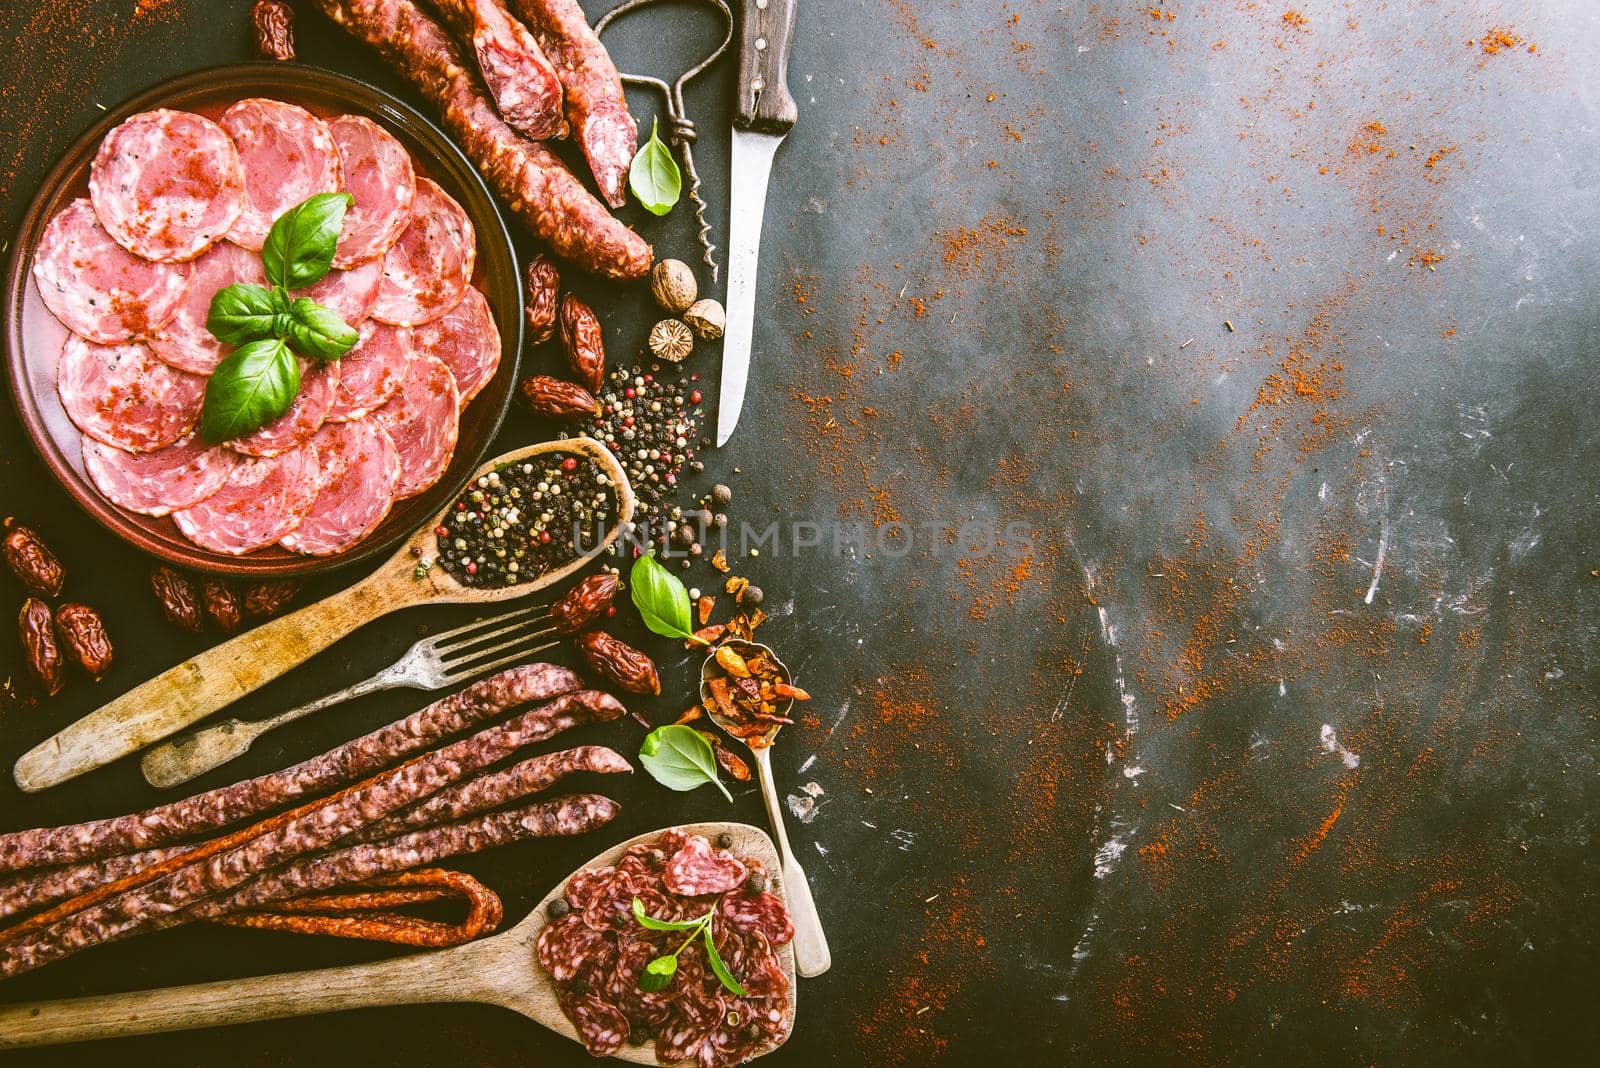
[810, 941]
[223, 674]
[502, 970]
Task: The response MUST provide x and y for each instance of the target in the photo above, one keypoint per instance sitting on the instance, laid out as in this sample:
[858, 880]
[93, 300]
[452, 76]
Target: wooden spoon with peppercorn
[427, 569]
[737, 682]
[500, 970]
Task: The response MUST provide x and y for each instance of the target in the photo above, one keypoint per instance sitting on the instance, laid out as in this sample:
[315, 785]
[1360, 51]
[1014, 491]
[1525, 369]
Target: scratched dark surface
[1275, 740]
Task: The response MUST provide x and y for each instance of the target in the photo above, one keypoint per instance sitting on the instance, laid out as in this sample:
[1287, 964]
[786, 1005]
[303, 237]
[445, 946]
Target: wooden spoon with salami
[221, 675]
[502, 970]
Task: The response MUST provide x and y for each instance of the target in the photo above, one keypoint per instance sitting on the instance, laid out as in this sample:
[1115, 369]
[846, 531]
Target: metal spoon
[811, 954]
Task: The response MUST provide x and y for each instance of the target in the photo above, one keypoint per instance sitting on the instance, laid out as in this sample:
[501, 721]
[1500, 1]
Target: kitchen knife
[763, 114]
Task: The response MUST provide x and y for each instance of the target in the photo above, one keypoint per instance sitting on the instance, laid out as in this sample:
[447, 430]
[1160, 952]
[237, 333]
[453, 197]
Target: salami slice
[156, 483]
[697, 869]
[422, 419]
[286, 154]
[360, 467]
[167, 185]
[377, 171]
[601, 1025]
[262, 500]
[96, 287]
[306, 414]
[352, 293]
[467, 340]
[371, 371]
[124, 396]
[762, 914]
[428, 270]
[185, 342]
[563, 946]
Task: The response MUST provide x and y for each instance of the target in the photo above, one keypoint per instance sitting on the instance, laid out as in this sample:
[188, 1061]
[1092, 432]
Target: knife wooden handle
[765, 30]
[203, 684]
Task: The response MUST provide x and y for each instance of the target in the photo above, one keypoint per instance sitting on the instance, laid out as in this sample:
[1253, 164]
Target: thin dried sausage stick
[353, 760]
[596, 106]
[561, 816]
[318, 825]
[497, 788]
[356, 915]
[532, 180]
[512, 65]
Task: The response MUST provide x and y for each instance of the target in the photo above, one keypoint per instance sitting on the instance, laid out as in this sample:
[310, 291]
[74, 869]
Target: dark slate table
[1267, 731]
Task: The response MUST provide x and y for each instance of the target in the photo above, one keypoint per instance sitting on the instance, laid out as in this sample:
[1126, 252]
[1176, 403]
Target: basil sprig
[661, 599]
[679, 758]
[258, 382]
[252, 387]
[653, 176]
[659, 972]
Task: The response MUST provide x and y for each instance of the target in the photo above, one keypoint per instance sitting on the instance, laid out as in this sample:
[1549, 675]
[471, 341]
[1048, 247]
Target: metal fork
[433, 663]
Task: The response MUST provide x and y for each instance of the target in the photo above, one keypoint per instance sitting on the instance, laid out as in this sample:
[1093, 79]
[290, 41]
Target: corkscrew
[680, 128]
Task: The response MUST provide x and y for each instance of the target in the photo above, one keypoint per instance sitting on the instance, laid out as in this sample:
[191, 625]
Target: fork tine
[466, 630]
[461, 672]
[476, 646]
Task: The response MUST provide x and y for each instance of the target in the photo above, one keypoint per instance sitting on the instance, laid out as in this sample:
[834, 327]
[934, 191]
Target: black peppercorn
[725, 840]
[557, 908]
[752, 597]
[756, 883]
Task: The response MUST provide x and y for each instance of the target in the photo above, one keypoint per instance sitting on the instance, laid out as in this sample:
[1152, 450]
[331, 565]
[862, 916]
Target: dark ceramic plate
[33, 337]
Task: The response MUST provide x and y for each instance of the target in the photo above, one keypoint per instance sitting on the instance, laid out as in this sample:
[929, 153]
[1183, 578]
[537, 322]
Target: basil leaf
[653, 176]
[241, 312]
[658, 973]
[299, 248]
[249, 389]
[720, 968]
[318, 332]
[678, 758]
[660, 598]
[650, 923]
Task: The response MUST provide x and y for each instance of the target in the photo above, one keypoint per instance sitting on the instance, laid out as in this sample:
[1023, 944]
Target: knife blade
[763, 114]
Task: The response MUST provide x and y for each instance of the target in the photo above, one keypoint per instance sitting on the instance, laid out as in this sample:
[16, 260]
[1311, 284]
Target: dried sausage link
[345, 763]
[359, 914]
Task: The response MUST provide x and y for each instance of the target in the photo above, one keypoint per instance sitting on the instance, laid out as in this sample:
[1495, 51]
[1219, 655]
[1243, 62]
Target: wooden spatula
[220, 676]
[501, 970]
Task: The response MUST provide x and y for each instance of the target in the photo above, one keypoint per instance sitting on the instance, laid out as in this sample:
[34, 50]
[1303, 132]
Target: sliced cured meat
[377, 171]
[124, 396]
[286, 154]
[467, 340]
[351, 294]
[156, 483]
[167, 185]
[263, 499]
[372, 370]
[422, 419]
[563, 946]
[430, 267]
[306, 414]
[96, 287]
[601, 1025]
[761, 913]
[360, 467]
[583, 887]
[698, 869]
[185, 342]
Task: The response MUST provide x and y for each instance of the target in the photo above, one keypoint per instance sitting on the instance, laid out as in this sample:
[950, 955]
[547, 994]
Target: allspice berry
[672, 284]
[671, 340]
[706, 318]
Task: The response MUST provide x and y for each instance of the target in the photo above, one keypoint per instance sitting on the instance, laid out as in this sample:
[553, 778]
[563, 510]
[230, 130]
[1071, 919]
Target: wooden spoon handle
[426, 977]
[811, 954]
[201, 685]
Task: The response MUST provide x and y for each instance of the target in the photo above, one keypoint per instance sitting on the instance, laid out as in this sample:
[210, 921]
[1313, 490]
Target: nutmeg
[672, 284]
[671, 340]
[706, 318]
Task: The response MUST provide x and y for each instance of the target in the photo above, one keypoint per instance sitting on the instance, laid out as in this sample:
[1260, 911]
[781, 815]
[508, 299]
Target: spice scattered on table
[526, 518]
